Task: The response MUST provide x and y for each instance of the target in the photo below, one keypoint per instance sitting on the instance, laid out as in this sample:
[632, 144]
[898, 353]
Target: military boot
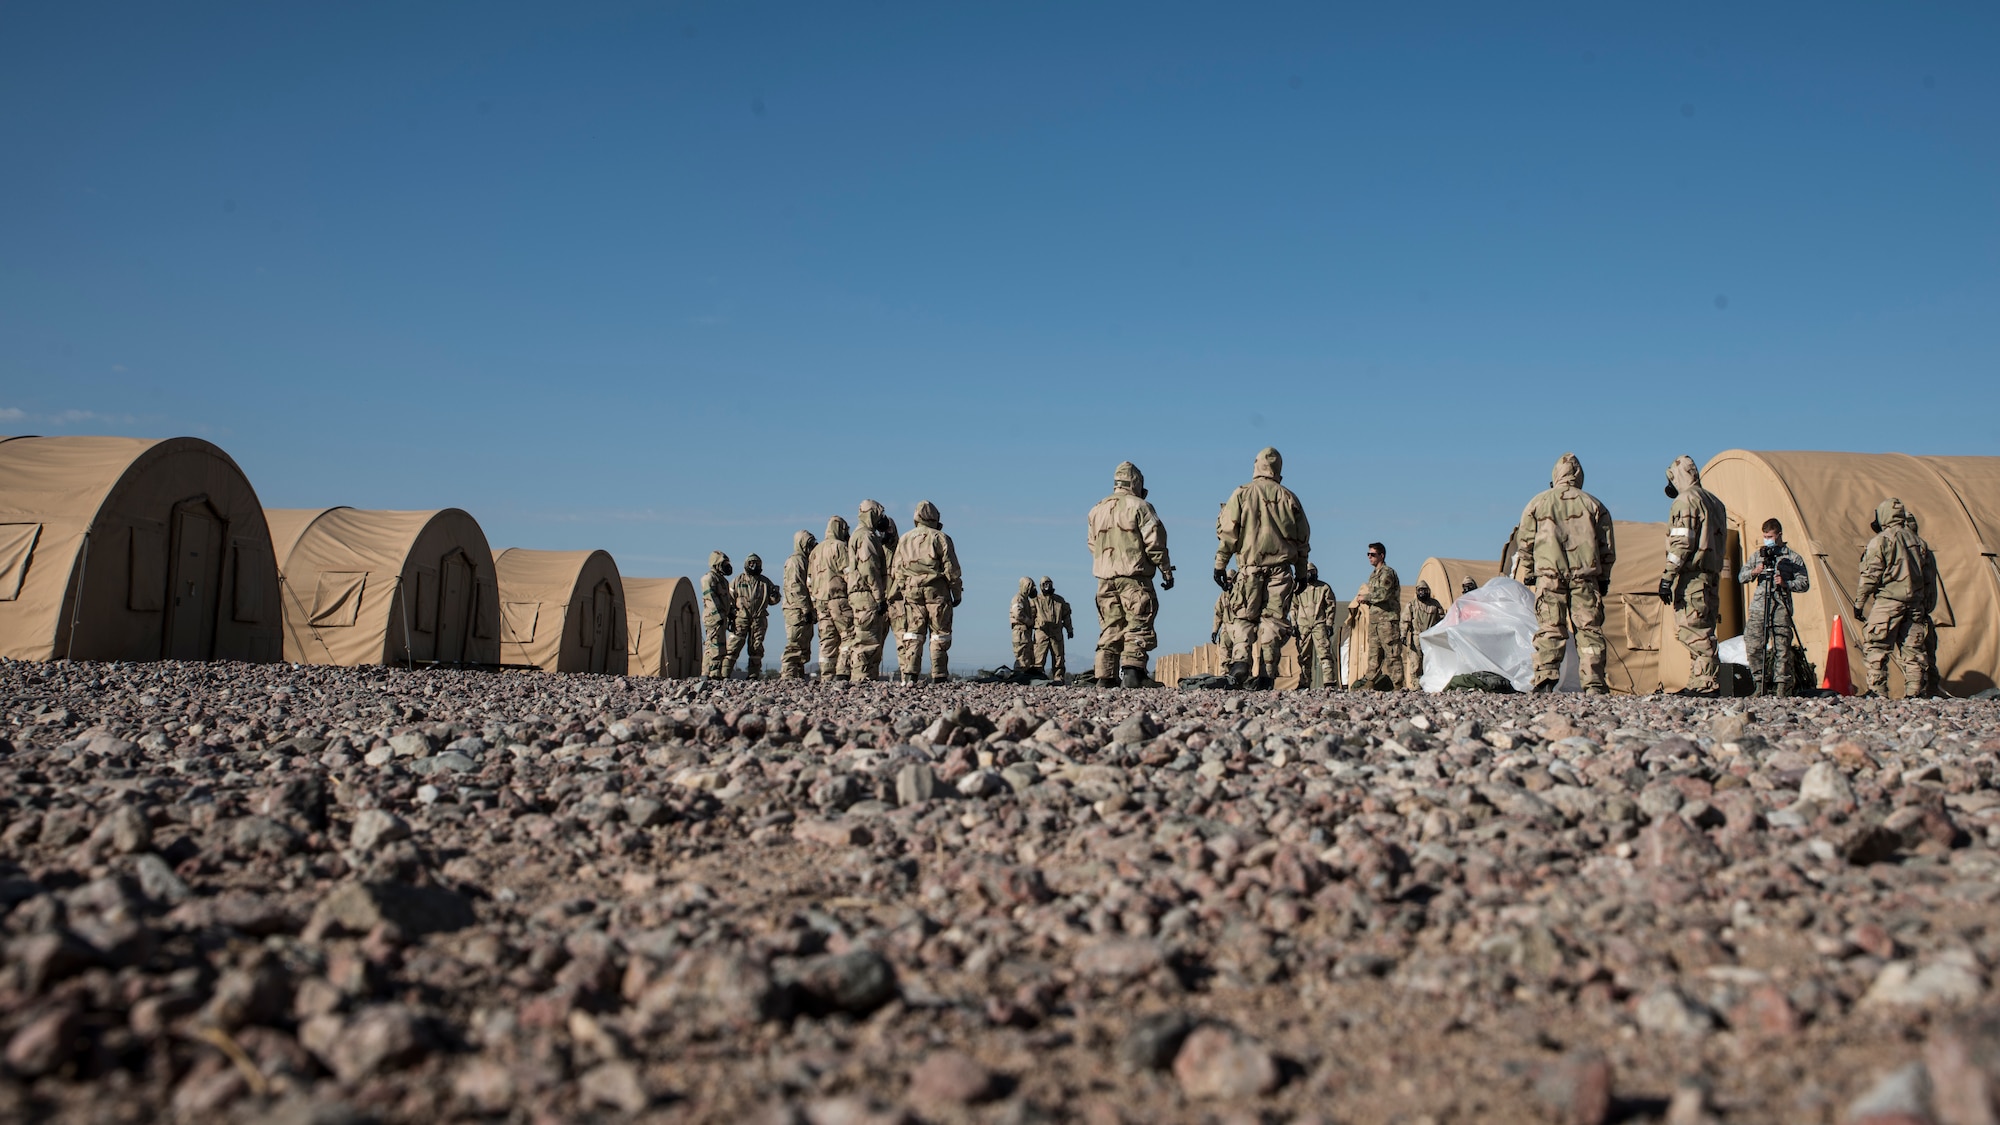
[1130, 677]
[1239, 674]
[1545, 687]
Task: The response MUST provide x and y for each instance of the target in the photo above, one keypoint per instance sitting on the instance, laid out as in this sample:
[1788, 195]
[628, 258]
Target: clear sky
[661, 278]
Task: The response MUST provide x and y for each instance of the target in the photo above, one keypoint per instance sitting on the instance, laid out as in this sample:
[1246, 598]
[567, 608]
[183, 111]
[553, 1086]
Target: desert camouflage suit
[1316, 616]
[1021, 618]
[1892, 573]
[1926, 625]
[826, 581]
[868, 592]
[1564, 548]
[1128, 546]
[1379, 662]
[799, 614]
[927, 574]
[1422, 613]
[1263, 527]
[1697, 527]
[718, 609]
[1771, 666]
[1052, 620]
[755, 594]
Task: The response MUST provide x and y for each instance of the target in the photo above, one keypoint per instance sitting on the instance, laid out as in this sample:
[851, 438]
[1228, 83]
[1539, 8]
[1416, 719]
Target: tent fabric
[132, 549]
[386, 587]
[562, 611]
[1445, 575]
[663, 628]
[1825, 501]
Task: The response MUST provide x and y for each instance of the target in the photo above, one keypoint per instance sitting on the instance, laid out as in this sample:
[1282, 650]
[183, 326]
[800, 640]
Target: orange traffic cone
[1837, 677]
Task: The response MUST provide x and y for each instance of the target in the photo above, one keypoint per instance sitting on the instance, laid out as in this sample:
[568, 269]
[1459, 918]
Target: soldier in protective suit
[1052, 620]
[1128, 546]
[1564, 549]
[1467, 586]
[1315, 614]
[1692, 581]
[718, 609]
[1264, 528]
[1892, 573]
[868, 592]
[1225, 612]
[826, 580]
[1382, 669]
[799, 614]
[927, 574]
[1773, 573]
[1021, 618]
[1926, 625]
[755, 595]
[1419, 615]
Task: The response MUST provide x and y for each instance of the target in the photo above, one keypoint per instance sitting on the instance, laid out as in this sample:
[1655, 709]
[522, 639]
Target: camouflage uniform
[1021, 618]
[1692, 581]
[1222, 635]
[1263, 526]
[1383, 646]
[755, 595]
[1052, 620]
[926, 571]
[868, 593]
[799, 615]
[1421, 614]
[1892, 573]
[1772, 673]
[718, 609]
[1128, 546]
[1315, 615]
[826, 580]
[1926, 624]
[1564, 548]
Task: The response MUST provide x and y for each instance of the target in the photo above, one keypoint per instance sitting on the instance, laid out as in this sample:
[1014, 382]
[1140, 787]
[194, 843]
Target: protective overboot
[1107, 681]
[1263, 683]
[940, 678]
[1130, 677]
[1597, 689]
[1545, 687]
[1711, 693]
[1239, 674]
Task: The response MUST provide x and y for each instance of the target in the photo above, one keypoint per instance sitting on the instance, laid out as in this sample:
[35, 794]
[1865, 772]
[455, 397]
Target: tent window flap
[17, 546]
[146, 576]
[517, 621]
[1642, 622]
[337, 601]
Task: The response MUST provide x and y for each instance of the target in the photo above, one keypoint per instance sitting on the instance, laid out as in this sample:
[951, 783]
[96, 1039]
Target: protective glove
[1603, 586]
[1667, 590]
[1222, 578]
[1072, 634]
[1858, 615]
[1167, 579]
[955, 599]
[1214, 638]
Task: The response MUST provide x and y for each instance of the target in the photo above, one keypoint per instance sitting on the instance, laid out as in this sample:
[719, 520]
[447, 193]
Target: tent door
[195, 582]
[601, 631]
[683, 643]
[454, 606]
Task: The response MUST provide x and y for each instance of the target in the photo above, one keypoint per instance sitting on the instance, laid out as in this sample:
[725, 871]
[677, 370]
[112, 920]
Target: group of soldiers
[858, 588]
[1564, 548]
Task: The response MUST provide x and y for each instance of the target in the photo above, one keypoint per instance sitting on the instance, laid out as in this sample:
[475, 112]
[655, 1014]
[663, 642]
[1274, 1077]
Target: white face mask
[1770, 542]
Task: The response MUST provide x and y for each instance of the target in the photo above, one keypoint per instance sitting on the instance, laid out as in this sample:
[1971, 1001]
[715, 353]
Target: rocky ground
[316, 895]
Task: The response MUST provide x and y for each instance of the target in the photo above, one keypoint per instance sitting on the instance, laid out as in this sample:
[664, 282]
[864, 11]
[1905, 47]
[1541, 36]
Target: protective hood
[1568, 472]
[1270, 463]
[1423, 589]
[1048, 585]
[836, 530]
[869, 514]
[927, 515]
[1027, 585]
[1312, 572]
[1681, 475]
[753, 565]
[718, 561]
[1128, 477]
[803, 542]
[1889, 513]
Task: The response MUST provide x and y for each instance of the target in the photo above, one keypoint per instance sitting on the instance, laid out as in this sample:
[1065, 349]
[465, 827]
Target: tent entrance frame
[455, 607]
[195, 579]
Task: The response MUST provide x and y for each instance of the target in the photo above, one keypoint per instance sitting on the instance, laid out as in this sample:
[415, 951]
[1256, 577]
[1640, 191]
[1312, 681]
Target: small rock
[1902, 1095]
[124, 830]
[1120, 958]
[375, 827]
[1667, 1011]
[1577, 1088]
[615, 1084]
[1217, 1063]
[1824, 784]
[1944, 982]
[950, 1078]
[377, 1038]
[43, 1043]
[158, 882]
[858, 982]
[1962, 1060]
[360, 907]
[412, 744]
[915, 784]
[839, 833]
[451, 761]
[1152, 1041]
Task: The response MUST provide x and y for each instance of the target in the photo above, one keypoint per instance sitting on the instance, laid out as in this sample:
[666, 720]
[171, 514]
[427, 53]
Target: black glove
[955, 599]
[1167, 579]
[1603, 586]
[1667, 590]
[1222, 578]
[1214, 638]
[1072, 634]
[1858, 614]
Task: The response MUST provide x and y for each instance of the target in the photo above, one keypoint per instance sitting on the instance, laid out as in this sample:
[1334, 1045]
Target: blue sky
[661, 278]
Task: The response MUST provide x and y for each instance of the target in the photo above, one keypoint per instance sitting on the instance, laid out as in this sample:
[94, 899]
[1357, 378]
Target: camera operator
[1778, 572]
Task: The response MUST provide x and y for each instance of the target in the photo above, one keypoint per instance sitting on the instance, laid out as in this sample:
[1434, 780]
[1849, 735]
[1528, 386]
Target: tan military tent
[561, 611]
[1825, 502]
[663, 628]
[132, 549]
[1445, 575]
[383, 587]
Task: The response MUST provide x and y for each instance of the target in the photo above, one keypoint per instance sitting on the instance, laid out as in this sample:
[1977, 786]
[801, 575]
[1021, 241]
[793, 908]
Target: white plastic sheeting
[1735, 650]
[1491, 629]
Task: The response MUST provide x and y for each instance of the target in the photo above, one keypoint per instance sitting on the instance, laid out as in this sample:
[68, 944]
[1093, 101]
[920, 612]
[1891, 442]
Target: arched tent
[132, 549]
[561, 611]
[1825, 502]
[382, 587]
[663, 628]
[1444, 576]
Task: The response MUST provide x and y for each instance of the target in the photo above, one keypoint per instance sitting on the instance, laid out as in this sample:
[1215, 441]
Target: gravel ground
[264, 893]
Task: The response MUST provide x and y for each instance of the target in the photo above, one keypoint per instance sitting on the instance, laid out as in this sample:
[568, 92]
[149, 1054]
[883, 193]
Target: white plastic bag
[1491, 629]
[1735, 650]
